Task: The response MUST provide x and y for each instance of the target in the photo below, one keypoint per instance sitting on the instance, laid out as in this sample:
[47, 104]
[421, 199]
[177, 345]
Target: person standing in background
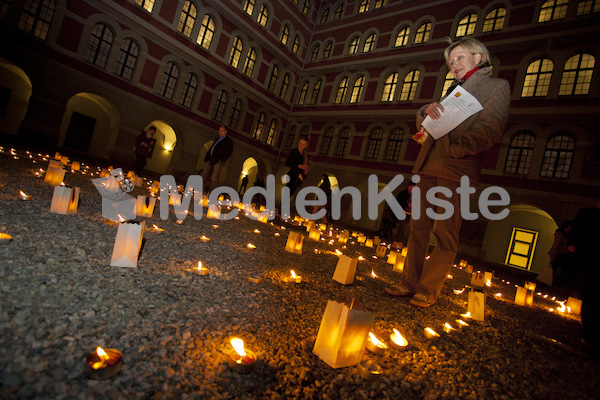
[216, 157]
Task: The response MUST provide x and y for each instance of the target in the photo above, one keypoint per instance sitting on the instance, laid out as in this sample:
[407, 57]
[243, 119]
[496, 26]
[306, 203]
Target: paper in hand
[458, 106]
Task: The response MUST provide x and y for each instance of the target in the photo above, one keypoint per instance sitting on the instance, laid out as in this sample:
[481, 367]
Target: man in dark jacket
[216, 157]
[144, 144]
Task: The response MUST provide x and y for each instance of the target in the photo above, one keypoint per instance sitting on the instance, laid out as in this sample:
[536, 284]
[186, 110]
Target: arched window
[448, 81]
[249, 7]
[353, 46]
[324, 16]
[189, 89]
[363, 7]
[220, 106]
[236, 52]
[402, 37]
[250, 63]
[327, 50]
[285, 35]
[520, 153]
[260, 126]
[494, 20]
[169, 80]
[147, 5]
[553, 9]
[537, 78]
[296, 45]
[341, 91]
[236, 111]
[389, 87]
[326, 141]
[374, 143]
[587, 7]
[315, 53]
[37, 17]
[303, 92]
[558, 156]
[263, 15]
[370, 43]
[273, 78]
[379, 4]
[128, 55]
[284, 86]
[207, 32]
[357, 89]
[343, 141]
[577, 75]
[271, 134]
[466, 26]
[291, 137]
[306, 7]
[187, 19]
[409, 87]
[423, 33]
[394, 144]
[99, 45]
[338, 12]
[315, 92]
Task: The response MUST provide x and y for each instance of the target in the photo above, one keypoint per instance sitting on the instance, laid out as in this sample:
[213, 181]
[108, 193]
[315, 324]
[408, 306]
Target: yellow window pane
[521, 248]
[524, 236]
[518, 261]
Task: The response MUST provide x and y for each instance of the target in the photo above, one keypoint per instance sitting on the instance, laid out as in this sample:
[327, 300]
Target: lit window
[236, 52]
[343, 141]
[99, 45]
[127, 59]
[494, 20]
[263, 16]
[284, 86]
[36, 17]
[577, 75]
[422, 34]
[394, 144]
[189, 89]
[250, 63]
[285, 35]
[379, 4]
[363, 7]
[235, 113]
[409, 87]
[353, 46]
[4, 4]
[327, 50]
[249, 7]
[338, 12]
[316, 91]
[296, 45]
[147, 5]
[291, 137]
[466, 26]
[207, 32]
[303, 92]
[537, 78]
[521, 248]
[273, 78]
[370, 43]
[260, 126]
[326, 142]
[220, 106]
[389, 87]
[271, 134]
[357, 89]
[324, 16]
[448, 81]
[341, 91]
[558, 156]
[315, 53]
[187, 19]
[170, 76]
[553, 9]
[402, 37]
[588, 6]
[520, 153]
[374, 143]
[306, 7]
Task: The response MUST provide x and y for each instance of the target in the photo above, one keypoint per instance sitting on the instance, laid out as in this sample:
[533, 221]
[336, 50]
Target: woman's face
[462, 61]
[302, 145]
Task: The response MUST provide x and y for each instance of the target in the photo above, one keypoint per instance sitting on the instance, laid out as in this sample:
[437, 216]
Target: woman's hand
[433, 110]
[303, 167]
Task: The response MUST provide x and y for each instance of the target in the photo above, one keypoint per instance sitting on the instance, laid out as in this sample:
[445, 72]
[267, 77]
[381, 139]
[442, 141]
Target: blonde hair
[473, 46]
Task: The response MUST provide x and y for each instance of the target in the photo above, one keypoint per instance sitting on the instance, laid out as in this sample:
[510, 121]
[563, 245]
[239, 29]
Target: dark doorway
[79, 134]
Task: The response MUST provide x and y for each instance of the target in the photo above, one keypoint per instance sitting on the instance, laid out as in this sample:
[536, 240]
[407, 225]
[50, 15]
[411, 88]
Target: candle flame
[373, 273]
[466, 315]
[448, 326]
[293, 274]
[376, 341]
[102, 354]
[461, 323]
[22, 193]
[456, 291]
[121, 219]
[398, 338]
[251, 246]
[488, 283]
[199, 265]
[562, 307]
[498, 295]
[361, 258]
[339, 253]
[431, 332]
[238, 346]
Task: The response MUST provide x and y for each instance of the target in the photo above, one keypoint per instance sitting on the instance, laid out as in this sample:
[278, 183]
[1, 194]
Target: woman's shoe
[398, 291]
[420, 300]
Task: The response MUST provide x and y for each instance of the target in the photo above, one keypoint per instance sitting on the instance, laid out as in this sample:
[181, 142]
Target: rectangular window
[521, 249]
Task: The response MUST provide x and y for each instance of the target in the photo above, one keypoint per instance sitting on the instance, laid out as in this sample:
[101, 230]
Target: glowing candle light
[241, 359]
[466, 315]
[24, 196]
[448, 328]
[373, 274]
[461, 324]
[398, 341]
[251, 246]
[204, 239]
[431, 334]
[103, 364]
[201, 270]
[157, 229]
[375, 345]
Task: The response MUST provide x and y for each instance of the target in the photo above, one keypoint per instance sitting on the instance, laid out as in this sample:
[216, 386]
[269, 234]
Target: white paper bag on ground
[55, 174]
[127, 245]
[345, 270]
[294, 242]
[478, 279]
[343, 333]
[476, 304]
[144, 206]
[64, 200]
[381, 250]
[524, 297]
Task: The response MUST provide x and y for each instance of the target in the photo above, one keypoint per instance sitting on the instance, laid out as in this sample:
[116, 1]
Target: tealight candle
[276, 234]
[461, 324]
[24, 196]
[103, 363]
[156, 229]
[448, 328]
[215, 226]
[397, 341]
[466, 315]
[431, 334]
[251, 246]
[5, 238]
[241, 359]
[201, 270]
[204, 239]
[368, 370]
[179, 221]
[293, 277]
[256, 231]
[254, 278]
[375, 345]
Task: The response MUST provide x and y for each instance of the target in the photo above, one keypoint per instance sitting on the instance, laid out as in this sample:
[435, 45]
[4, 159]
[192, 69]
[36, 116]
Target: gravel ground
[60, 298]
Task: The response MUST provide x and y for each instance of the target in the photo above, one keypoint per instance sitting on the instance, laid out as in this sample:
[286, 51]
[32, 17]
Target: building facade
[88, 76]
